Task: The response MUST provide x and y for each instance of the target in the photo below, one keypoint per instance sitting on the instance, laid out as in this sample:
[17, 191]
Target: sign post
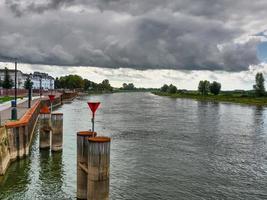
[93, 106]
[52, 99]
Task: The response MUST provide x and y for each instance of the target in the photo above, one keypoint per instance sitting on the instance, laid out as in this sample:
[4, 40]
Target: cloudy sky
[147, 42]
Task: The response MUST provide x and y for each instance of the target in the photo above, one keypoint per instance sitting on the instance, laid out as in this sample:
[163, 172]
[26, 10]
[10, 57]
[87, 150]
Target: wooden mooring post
[44, 131]
[50, 129]
[98, 168]
[57, 131]
[82, 155]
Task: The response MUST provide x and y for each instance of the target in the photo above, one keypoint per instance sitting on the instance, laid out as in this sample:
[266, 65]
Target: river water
[162, 148]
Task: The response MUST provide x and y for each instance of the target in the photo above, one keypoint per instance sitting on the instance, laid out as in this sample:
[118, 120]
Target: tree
[203, 87]
[172, 89]
[28, 83]
[71, 82]
[57, 83]
[105, 86]
[259, 86]
[164, 88]
[7, 83]
[87, 84]
[124, 85]
[215, 88]
[129, 86]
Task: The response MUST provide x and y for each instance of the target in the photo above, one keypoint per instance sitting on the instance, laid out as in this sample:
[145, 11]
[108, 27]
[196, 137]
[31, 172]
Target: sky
[149, 42]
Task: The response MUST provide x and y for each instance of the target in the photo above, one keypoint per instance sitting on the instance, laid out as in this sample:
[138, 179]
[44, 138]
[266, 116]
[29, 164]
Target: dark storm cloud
[19, 7]
[151, 34]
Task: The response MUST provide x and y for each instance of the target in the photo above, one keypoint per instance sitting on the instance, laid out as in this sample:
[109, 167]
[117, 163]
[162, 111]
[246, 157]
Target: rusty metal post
[98, 168]
[82, 150]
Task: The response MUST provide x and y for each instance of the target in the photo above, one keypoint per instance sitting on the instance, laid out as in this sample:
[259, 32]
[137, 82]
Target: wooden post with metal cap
[82, 150]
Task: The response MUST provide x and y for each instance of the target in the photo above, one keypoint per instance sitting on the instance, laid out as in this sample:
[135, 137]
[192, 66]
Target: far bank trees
[129, 86]
[215, 88]
[172, 89]
[77, 82]
[204, 87]
[259, 87]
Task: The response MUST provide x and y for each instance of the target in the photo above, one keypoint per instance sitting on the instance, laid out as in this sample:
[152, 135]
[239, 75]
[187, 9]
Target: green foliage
[259, 86]
[70, 82]
[105, 86]
[172, 89]
[28, 83]
[57, 83]
[77, 82]
[164, 88]
[87, 84]
[7, 83]
[215, 88]
[203, 87]
[5, 98]
[129, 86]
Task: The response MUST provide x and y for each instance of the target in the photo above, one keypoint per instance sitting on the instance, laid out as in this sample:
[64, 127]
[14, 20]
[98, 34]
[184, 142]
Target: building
[39, 79]
[42, 80]
[21, 77]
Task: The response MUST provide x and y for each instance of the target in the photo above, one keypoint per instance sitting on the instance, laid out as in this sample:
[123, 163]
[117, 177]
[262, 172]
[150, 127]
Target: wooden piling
[98, 168]
[57, 131]
[82, 155]
[45, 130]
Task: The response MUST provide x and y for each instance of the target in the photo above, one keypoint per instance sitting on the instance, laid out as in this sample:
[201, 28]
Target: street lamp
[14, 115]
[40, 86]
[15, 83]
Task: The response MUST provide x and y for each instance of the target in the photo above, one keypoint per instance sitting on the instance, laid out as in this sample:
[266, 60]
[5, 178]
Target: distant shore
[257, 101]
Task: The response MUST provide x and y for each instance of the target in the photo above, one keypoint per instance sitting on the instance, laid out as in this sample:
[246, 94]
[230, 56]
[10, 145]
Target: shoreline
[251, 101]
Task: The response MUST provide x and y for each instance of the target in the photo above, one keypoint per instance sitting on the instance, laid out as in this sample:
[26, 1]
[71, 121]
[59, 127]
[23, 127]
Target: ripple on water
[162, 148]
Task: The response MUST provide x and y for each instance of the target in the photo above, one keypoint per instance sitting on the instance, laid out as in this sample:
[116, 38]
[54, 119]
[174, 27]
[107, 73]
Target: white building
[39, 79]
[42, 80]
[21, 77]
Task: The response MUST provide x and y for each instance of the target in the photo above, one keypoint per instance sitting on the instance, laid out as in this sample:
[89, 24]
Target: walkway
[22, 107]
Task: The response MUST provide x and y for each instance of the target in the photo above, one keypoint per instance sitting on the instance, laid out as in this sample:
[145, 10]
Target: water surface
[162, 148]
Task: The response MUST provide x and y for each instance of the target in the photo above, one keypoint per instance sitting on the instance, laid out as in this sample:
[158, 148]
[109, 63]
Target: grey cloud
[23, 7]
[152, 34]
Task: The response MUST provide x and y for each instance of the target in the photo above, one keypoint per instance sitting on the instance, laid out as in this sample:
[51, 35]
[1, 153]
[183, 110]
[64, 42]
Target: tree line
[77, 82]
[205, 87]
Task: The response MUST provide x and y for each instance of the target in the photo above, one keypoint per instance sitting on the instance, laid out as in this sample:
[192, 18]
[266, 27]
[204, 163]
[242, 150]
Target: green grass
[6, 98]
[232, 98]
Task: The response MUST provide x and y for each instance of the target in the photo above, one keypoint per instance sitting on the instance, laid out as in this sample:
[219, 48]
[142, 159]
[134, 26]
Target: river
[162, 148]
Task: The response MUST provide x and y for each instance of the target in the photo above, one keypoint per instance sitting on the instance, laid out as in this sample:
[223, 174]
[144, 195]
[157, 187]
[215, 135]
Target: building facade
[39, 79]
[43, 81]
[21, 77]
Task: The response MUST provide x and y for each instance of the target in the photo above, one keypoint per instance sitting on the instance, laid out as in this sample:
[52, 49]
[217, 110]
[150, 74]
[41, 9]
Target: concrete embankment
[16, 136]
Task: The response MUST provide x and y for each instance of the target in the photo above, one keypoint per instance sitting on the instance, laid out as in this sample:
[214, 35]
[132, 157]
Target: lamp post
[29, 96]
[14, 115]
[52, 99]
[40, 86]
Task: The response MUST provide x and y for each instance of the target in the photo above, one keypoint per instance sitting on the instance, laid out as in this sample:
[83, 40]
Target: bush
[215, 88]
[164, 88]
[172, 89]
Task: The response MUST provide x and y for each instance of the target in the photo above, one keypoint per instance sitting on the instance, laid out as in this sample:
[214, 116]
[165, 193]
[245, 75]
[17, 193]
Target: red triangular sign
[93, 106]
[51, 97]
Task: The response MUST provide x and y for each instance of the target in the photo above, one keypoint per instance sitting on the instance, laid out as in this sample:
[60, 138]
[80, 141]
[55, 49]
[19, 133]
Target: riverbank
[257, 101]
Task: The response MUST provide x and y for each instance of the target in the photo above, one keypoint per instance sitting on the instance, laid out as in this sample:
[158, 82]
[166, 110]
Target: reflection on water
[162, 148]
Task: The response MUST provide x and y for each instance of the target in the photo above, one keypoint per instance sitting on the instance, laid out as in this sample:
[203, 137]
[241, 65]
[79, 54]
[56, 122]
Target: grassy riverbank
[6, 98]
[231, 97]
